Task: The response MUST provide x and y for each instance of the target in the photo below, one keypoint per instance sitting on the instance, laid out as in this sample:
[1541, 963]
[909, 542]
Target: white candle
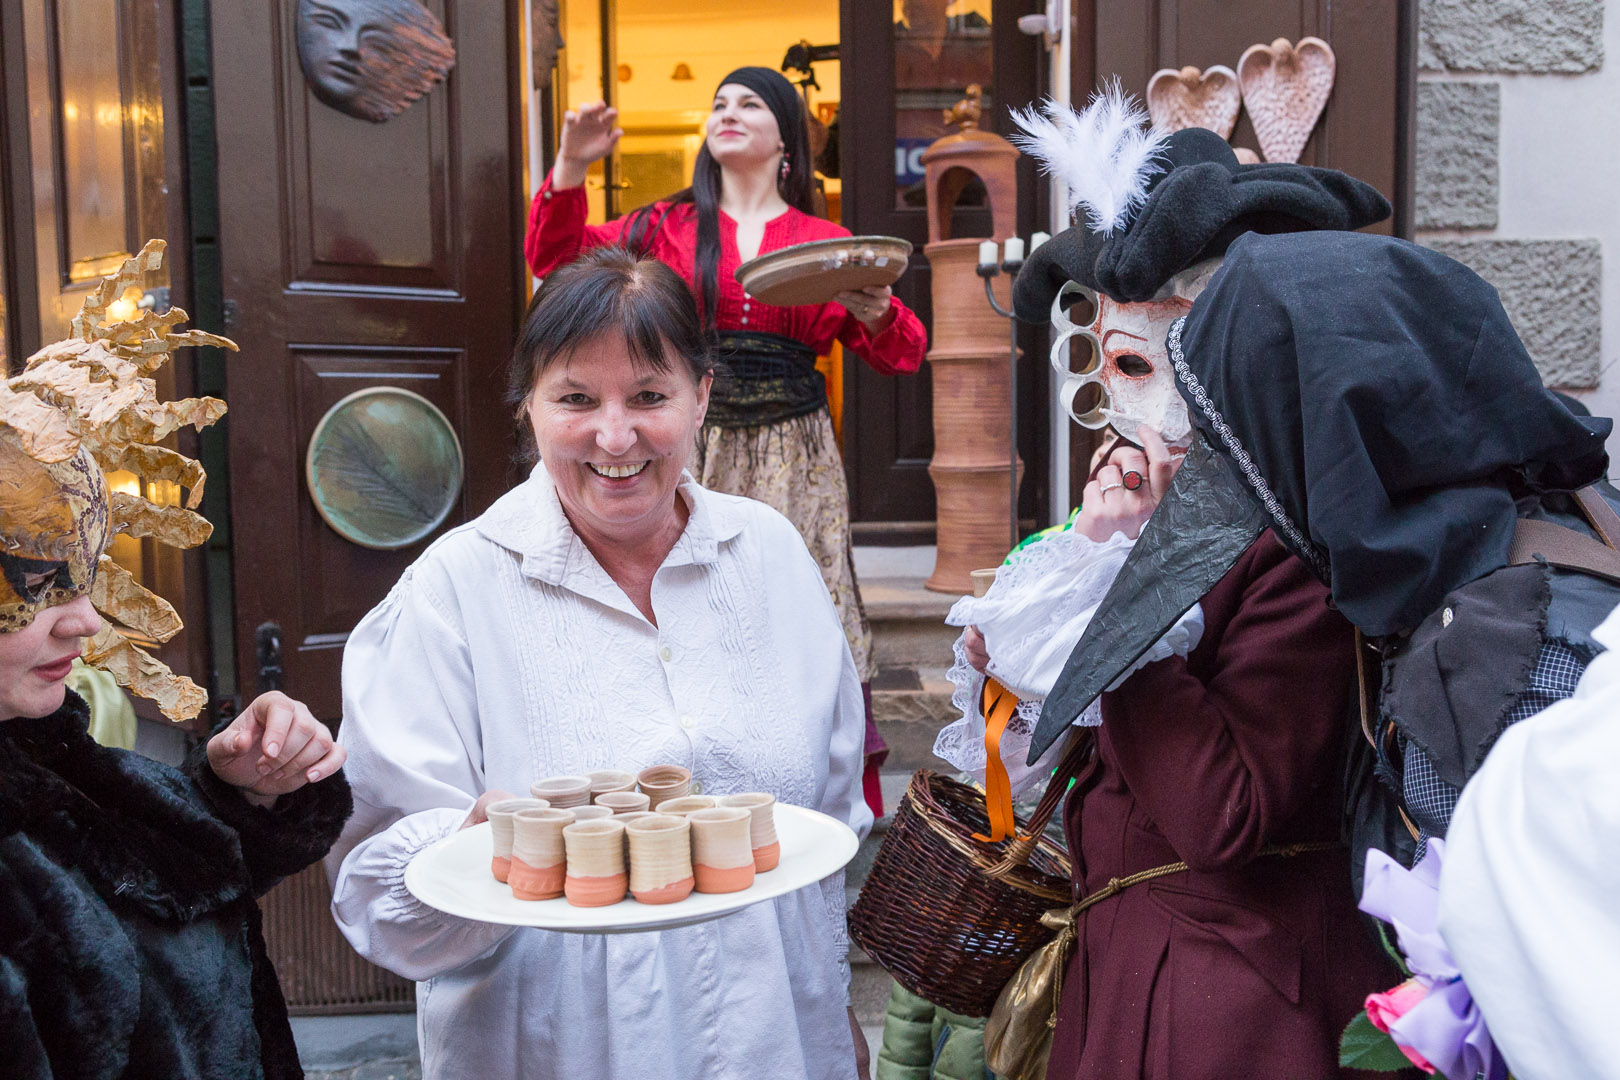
[1013, 251]
[987, 253]
[1037, 240]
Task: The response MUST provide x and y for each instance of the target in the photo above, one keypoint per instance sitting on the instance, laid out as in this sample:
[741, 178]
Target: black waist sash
[764, 379]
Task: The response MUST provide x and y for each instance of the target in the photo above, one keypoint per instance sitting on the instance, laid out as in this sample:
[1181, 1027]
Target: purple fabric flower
[1446, 1027]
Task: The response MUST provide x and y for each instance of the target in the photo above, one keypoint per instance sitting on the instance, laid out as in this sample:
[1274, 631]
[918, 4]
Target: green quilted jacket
[922, 1041]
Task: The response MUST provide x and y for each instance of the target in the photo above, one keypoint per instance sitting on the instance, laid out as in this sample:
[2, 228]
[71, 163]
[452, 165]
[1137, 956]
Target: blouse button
[697, 787]
[664, 654]
[745, 320]
[688, 723]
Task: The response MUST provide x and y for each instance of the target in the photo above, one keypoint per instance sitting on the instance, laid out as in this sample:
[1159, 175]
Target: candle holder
[989, 269]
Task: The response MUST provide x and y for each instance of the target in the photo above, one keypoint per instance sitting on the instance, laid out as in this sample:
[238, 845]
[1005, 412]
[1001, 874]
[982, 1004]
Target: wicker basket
[951, 917]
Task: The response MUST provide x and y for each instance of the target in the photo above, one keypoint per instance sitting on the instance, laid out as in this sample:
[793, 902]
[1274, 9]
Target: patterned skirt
[794, 468]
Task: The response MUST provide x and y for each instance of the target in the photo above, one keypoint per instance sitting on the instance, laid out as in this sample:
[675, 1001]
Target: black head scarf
[774, 90]
[1384, 399]
[1201, 201]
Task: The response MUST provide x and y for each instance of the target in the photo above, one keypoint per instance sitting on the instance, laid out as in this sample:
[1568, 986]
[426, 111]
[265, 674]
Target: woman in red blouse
[768, 434]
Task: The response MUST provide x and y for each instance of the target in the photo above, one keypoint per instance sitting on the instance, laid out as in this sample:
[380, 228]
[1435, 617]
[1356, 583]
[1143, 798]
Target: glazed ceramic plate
[814, 273]
[453, 876]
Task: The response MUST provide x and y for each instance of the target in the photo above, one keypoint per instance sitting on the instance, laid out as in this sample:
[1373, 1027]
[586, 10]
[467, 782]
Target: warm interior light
[125, 550]
[123, 309]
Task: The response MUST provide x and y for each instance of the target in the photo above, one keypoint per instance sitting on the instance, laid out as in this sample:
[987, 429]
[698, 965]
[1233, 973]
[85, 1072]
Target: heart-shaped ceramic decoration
[1285, 88]
[1192, 98]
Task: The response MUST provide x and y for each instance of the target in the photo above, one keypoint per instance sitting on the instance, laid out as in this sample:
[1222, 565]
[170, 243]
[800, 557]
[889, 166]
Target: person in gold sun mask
[129, 935]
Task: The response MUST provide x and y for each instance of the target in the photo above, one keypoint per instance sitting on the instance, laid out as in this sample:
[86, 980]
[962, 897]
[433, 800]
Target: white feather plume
[1104, 155]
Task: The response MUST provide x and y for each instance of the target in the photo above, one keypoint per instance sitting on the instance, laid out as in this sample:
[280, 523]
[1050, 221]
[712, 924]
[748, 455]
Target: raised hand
[588, 135]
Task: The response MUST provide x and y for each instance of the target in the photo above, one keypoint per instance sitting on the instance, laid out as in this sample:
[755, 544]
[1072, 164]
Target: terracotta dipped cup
[606, 780]
[500, 830]
[590, 813]
[596, 873]
[722, 857]
[623, 802]
[539, 862]
[761, 807]
[660, 858]
[563, 792]
[663, 782]
[686, 804]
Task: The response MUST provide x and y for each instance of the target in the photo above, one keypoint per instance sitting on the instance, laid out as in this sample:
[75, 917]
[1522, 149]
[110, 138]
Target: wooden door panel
[350, 229]
[356, 254]
[1366, 126]
[342, 579]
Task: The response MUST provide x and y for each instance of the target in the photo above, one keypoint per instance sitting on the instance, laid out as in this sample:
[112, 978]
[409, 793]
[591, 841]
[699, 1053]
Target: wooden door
[356, 253]
[899, 74]
[1368, 126]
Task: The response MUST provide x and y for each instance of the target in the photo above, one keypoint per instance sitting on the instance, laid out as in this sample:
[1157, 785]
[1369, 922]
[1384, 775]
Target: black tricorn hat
[1200, 201]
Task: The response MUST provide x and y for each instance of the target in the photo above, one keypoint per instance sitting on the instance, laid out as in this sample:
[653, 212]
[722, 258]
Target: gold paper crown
[92, 392]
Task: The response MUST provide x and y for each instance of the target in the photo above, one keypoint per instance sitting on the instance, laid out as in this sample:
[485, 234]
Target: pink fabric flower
[1386, 1008]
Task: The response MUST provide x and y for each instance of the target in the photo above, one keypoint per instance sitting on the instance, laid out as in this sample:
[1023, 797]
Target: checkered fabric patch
[1429, 799]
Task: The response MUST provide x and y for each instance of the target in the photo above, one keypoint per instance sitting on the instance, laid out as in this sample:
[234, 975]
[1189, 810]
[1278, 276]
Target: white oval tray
[453, 876]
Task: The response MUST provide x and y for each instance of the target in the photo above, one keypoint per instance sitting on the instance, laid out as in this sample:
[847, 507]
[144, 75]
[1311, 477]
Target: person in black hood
[1369, 401]
[1204, 818]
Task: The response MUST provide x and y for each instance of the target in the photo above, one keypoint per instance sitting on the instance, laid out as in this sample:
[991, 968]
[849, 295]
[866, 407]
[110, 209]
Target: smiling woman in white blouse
[608, 613]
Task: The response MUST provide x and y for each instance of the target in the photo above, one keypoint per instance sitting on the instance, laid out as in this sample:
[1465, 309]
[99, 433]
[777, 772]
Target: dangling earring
[787, 166]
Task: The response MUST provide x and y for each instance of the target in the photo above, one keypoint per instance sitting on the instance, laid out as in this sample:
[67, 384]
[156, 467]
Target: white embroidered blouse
[505, 654]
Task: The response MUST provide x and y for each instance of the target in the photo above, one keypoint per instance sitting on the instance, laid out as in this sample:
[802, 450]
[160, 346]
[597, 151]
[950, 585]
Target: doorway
[880, 73]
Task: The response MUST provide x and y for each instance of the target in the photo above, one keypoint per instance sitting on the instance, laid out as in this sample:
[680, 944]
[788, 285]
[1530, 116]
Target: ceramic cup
[761, 827]
[606, 780]
[662, 782]
[590, 813]
[686, 805]
[660, 858]
[596, 874]
[623, 802]
[722, 858]
[631, 815]
[500, 829]
[538, 858]
[563, 792]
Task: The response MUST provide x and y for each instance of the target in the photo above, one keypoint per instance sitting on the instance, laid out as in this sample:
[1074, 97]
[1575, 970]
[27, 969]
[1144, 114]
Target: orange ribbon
[998, 704]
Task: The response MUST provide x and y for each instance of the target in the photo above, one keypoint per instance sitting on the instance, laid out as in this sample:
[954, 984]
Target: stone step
[908, 622]
[910, 706]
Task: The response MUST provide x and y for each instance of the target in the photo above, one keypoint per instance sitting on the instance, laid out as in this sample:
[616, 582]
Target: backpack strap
[1564, 548]
[1600, 514]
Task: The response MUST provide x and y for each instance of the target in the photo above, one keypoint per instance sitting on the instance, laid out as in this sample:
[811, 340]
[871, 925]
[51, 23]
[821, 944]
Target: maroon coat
[1242, 966]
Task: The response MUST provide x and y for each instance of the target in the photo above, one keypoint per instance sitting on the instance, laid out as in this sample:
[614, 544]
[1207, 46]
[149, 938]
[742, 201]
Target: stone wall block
[1510, 35]
[1550, 289]
[1458, 126]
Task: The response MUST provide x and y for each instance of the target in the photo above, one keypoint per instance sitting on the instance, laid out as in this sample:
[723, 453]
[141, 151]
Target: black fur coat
[129, 932]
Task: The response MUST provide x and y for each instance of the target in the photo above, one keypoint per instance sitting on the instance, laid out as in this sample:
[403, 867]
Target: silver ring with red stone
[1132, 480]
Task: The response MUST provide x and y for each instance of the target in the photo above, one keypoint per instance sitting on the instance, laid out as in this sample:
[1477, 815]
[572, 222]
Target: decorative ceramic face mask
[53, 519]
[1125, 357]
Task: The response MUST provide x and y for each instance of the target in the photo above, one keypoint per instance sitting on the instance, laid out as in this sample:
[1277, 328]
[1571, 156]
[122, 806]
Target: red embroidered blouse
[558, 232]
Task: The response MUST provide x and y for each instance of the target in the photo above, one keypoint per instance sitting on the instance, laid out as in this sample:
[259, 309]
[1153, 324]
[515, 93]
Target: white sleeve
[812, 624]
[415, 764]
